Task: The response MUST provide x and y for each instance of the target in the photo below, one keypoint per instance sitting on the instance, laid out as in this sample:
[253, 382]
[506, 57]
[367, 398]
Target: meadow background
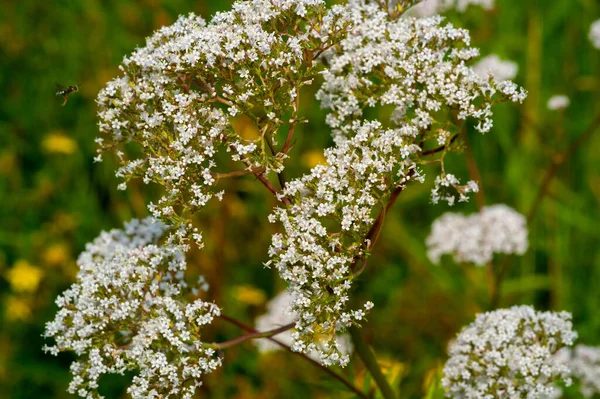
[54, 199]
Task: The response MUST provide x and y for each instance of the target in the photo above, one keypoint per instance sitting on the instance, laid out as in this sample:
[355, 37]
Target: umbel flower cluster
[509, 353]
[127, 311]
[584, 362]
[175, 103]
[279, 313]
[178, 93]
[476, 237]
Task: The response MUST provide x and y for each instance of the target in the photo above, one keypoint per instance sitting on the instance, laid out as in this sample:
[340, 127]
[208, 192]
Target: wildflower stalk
[332, 373]
[366, 355]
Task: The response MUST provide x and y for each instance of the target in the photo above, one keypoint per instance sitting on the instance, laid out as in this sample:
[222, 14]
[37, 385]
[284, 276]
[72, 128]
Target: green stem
[366, 355]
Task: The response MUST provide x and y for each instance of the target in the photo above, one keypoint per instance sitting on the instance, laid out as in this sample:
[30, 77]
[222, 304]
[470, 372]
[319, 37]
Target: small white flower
[499, 69]
[558, 102]
[595, 34]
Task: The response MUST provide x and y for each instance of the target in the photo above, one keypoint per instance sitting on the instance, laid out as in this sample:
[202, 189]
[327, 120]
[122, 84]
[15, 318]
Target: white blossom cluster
[416, 66]
[584, 362]
[418, 69]
[476, 237]
[178, 93]
[595, 34]
[558, 102]
[431, 7]
[127, 311]
[498, 68]
[508, 353]
[280, 313]
[325, 241]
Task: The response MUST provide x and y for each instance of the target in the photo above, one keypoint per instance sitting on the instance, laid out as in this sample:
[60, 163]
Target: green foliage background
[52, 203]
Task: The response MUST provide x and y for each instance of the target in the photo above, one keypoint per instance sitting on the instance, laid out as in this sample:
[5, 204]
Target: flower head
[128, 311]
[509, 353]
[595, 34]
[558, 102]
[475, 238]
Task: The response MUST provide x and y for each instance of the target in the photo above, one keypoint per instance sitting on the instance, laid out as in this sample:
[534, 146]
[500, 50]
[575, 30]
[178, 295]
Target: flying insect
[65, 92]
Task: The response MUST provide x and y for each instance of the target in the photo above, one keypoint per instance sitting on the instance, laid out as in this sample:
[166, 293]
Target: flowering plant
[168, 119]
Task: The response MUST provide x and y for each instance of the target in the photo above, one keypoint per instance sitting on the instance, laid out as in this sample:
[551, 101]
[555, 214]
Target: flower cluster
[508, 353]
[595, 34]
[584, 361]
[431, 7]
[279, 313]
[326, 229]
[475, 238]
[558, 102]
[127, 311]
[499, 69]
[418, 67]
[178, 94]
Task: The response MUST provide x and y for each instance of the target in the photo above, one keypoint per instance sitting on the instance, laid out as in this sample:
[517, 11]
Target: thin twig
[251, 335]
[332, 373]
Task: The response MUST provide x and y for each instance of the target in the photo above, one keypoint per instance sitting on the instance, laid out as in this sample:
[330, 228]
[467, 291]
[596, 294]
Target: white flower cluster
[416, 66]
[508, 353]
[595, 34]
[584, 361]
[325, 229]
[178, 93]
[127, 312]
[279, 313]
[558, 102]
[431, 7]
[476, 237]
[499, 69]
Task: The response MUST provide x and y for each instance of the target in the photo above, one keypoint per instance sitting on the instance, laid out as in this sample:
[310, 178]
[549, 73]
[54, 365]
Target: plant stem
[332, 373]
[366, 355]
[250, 335]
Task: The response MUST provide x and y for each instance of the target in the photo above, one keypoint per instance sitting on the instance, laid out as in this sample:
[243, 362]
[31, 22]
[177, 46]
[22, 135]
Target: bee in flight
[65, 92]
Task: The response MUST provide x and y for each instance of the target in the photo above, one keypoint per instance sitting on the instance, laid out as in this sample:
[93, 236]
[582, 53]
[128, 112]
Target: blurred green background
[54, 199]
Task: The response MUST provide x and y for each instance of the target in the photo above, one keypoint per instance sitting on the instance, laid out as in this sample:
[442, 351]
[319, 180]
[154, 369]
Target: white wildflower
[127, 312]
[499, 69]
[558, 102]
[595, 34]
[280, 313]
[585, 363]
[431, 7]
[475, 238]
[509, 353]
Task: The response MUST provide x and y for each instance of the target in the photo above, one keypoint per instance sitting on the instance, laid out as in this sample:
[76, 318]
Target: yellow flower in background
[59, 143]
[249, 295]
[16, 309]
[313, 158]
[56, 254]
[24, 277]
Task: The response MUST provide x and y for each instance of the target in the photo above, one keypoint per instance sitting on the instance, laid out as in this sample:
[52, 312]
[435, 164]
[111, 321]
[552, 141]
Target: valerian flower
[178, 94]
[476, 237]
[279, 313]
[128, 311]
[418, 68]
[594, 34]
[498, 68]
[432, 7]
[509, 353]
[558, 102]
[584, 361]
